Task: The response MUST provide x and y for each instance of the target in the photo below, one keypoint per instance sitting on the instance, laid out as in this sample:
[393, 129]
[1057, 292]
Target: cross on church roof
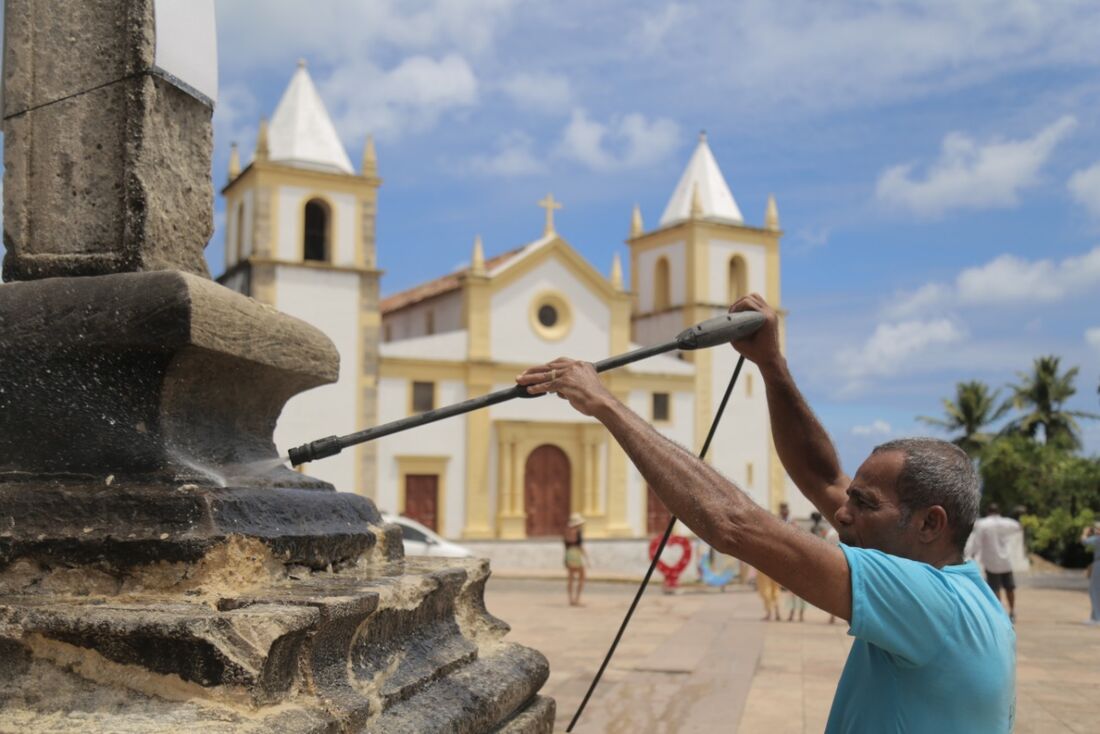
[549, 205]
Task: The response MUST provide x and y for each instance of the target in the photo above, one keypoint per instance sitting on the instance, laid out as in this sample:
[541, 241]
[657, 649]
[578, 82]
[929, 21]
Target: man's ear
[933, 524]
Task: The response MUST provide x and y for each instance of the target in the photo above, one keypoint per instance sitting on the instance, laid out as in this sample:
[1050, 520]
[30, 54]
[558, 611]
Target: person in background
[576, 558]
[794, 602]
[1090, 538]
[990, 544]
[769, 594]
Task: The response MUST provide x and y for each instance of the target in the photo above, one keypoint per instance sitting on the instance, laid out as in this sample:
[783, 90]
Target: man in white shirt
[990, 545]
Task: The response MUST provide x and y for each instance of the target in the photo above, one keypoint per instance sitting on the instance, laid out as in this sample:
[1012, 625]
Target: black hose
[656, 556]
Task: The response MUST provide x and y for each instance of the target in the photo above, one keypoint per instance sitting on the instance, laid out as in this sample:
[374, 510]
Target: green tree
[973, 408]
[1041, 394]
[1041, 476]
[1060, 490]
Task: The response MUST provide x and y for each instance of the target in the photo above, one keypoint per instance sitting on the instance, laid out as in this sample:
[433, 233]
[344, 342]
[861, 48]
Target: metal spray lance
[712, 332]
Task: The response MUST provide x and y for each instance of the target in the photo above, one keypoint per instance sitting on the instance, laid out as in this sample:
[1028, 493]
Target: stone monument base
[254, 645]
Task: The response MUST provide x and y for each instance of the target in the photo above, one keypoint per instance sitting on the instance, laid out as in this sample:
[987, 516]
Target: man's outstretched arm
[803, 446]
[708, 503]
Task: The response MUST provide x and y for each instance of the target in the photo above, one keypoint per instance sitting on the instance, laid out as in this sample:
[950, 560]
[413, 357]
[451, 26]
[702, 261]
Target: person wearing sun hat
[576, 558]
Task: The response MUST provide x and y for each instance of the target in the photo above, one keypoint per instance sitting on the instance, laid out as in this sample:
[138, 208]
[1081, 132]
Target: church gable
[547, 303]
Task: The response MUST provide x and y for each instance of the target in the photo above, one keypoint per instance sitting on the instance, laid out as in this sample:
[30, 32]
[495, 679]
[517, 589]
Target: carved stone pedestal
[252, 645]
[161, 570]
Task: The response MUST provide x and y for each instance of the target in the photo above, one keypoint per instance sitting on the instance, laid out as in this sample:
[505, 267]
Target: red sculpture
[672, 573]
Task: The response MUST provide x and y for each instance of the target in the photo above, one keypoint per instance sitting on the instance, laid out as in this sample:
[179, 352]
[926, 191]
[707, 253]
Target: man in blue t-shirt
[934, 649]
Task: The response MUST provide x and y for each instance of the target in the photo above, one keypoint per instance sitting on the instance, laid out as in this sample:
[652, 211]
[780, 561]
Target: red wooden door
[546, 485]
[657, 515]
[422, 499]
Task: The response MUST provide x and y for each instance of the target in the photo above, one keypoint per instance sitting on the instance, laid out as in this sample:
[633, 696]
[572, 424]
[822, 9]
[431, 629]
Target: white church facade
[300, 236]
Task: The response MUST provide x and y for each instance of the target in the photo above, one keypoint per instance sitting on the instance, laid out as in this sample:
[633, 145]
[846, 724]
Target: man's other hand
[762, 347]
[574, 381]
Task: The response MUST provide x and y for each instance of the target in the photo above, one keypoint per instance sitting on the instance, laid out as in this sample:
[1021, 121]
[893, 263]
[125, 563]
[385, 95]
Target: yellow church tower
[300, 236]
[699, 259]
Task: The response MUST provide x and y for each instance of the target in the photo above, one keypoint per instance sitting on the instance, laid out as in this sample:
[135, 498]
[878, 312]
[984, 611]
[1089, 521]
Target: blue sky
[936, 165]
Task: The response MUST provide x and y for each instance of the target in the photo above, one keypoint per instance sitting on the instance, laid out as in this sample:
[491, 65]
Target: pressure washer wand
[712, 332]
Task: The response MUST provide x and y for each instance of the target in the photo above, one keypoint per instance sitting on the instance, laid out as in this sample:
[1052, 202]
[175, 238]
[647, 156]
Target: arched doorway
[546, 490]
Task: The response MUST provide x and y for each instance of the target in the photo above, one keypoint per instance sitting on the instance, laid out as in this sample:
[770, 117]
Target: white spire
[301, 132]
[703, 175]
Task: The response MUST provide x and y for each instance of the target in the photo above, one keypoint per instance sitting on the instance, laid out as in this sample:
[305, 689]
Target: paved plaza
[702, 661]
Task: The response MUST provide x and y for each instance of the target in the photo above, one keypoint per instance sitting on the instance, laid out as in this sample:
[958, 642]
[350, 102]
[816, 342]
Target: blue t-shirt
[934, 651]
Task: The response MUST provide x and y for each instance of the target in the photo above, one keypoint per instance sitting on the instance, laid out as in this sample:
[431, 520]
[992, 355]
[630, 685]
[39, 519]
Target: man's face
[871, 518]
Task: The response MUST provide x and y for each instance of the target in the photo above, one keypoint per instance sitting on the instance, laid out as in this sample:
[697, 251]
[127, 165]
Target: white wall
[291, 202]
[443, 438]
[330, 301]
[676, 253]
[513, 339]
[658, 328]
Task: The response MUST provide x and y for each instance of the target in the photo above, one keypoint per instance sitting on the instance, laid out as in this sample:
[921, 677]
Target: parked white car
[420, 541]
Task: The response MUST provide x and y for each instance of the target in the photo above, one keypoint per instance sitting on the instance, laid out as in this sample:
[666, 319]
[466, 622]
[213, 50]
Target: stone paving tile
[796, 666]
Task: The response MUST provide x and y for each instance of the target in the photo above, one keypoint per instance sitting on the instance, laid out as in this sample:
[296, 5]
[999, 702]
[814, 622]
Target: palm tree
[973, 408]
[1042, 392]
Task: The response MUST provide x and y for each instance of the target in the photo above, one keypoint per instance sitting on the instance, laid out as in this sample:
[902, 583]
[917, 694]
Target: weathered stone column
[160, 569]
[106, 152]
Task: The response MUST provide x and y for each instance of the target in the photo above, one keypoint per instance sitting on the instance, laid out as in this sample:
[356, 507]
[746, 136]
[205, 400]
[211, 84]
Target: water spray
[712, 332]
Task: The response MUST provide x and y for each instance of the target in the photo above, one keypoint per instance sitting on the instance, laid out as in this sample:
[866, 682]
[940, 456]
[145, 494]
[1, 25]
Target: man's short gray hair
[937, 473]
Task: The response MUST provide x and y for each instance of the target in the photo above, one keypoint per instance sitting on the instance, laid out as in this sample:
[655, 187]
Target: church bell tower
[700, 258]
[300, 236]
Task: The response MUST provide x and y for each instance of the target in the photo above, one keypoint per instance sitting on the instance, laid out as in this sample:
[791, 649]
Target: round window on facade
[550, 316]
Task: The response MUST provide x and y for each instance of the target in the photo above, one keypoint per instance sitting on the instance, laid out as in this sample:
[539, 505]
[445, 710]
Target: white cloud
[259, 33]
[836, 55]
[627, 142]
[546, 93]
[656, 26]
[877, 427]
[1084, 185]
[236, 118]
[1092, 337]
[512, 158]
[1004, 280]
[410, 97]
[972, 176]
[930, 297]
[1009, 279]
[892, 346]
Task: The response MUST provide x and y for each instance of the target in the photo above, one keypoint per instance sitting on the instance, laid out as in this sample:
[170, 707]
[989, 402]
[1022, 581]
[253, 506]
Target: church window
[661, 286]
[661, 408]
[423, 396]
[387, 333]
[738, 278]
[316, 234]
[429, 323]
[238, 253]
[550, 315]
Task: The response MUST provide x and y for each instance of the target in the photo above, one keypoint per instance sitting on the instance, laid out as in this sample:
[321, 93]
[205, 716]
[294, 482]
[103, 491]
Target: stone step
[368, 644]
